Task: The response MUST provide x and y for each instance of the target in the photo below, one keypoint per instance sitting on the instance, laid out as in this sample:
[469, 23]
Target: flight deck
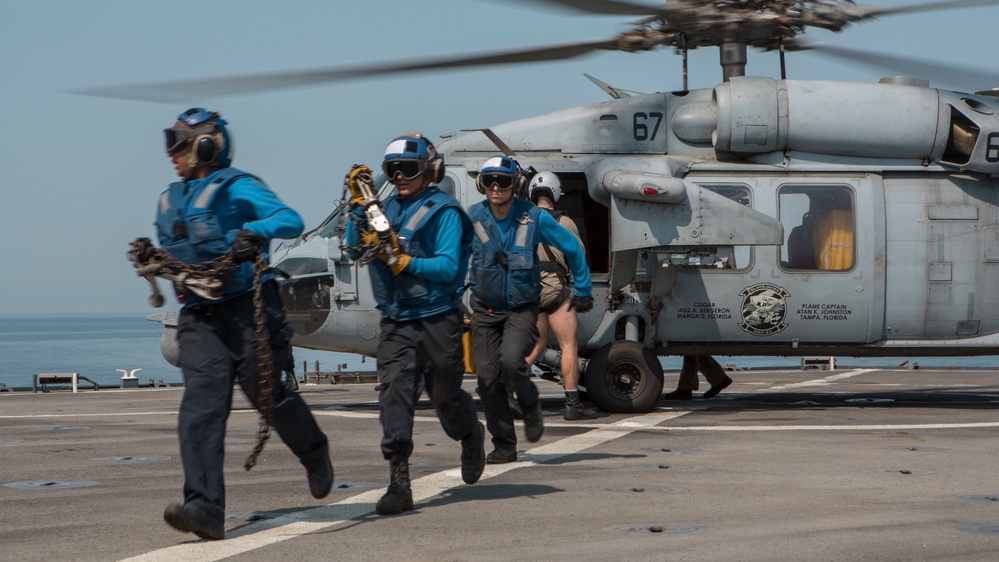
[783, 465]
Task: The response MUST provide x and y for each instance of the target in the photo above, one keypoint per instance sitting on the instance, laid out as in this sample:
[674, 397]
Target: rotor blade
[963, 78]
[186, 90]
[609, 7]
[873, 11]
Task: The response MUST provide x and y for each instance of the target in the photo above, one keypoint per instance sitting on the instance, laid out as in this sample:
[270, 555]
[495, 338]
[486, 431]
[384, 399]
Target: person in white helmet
[555, 311]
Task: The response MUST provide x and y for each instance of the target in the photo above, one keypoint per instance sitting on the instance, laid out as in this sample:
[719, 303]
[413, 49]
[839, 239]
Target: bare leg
[563, 323]
[542, 342]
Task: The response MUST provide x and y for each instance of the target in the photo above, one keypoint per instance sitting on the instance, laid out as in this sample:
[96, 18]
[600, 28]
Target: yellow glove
[393, 256]
[357, 175]
[369, 239]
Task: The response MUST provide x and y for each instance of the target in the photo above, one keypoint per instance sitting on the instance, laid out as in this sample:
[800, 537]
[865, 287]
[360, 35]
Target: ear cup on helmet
[436, 169]
[207, 148]
[521, 185]
[204, 149]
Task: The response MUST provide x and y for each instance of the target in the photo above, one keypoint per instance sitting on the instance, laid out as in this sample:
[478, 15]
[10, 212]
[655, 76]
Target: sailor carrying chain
[152, 261]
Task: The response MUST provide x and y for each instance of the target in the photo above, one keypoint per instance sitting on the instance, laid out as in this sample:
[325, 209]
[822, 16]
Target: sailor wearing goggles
[506, 287]
[417, 285]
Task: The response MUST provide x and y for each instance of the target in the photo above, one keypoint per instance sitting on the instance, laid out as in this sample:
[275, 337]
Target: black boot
[574, 410]
[321, 476]
[399, 496]
[534, 422]
[190, 518]
[714, 390]
[473, 454]
[679, 394]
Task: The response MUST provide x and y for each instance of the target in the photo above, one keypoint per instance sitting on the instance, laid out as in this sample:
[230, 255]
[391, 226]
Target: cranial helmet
[412, 155]
[545, 183]
[502, 171]
[204, 135]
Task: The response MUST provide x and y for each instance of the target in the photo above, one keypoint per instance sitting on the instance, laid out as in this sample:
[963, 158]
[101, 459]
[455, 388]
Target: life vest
[833, 240]
[504, 271]
[407, 297]
[190, 229]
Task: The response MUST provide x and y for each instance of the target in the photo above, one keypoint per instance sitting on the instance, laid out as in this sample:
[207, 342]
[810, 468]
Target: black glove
[141, 252]
[246, 246]
[581, 304]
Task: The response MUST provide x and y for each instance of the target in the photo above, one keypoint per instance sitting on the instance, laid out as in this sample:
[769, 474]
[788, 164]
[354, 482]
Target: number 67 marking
[640, 121]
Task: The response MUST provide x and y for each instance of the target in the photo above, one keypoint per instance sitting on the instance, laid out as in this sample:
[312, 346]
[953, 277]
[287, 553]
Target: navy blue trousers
[413, 354]
[218, 348]
[500, 342]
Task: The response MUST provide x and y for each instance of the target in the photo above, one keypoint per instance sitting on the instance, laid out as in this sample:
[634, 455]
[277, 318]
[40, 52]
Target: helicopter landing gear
[624, 377]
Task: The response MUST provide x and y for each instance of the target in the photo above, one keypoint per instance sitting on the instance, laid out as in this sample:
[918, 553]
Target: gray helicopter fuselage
[759, 217]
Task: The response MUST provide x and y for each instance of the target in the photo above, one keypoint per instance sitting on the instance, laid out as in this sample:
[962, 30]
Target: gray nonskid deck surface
[783, 465]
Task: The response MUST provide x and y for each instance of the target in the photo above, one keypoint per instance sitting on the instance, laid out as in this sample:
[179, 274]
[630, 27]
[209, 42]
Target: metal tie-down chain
[204, 278]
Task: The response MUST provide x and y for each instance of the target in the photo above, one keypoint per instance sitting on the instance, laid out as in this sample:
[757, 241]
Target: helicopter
[763, 216]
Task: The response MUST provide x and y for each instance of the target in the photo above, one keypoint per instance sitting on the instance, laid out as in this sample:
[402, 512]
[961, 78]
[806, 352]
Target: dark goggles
[502, 181]
[410, 169]
[176, 138]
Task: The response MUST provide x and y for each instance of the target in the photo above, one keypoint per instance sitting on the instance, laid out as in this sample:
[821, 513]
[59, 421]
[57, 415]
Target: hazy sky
[81, 174]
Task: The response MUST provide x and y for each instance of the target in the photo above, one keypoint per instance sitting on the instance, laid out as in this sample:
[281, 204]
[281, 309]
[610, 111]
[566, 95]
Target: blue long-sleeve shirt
[552, 233]
[261, 210]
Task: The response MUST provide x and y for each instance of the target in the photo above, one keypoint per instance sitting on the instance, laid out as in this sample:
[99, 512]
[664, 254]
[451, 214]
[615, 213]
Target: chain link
[143, 252]
[371, 245]
[265, 366]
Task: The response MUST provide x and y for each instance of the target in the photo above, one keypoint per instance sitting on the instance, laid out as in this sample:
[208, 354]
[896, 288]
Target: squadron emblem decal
[763, 309]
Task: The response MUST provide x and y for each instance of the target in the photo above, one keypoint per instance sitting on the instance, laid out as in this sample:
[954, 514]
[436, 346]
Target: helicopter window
[819, 228]
[963, 137]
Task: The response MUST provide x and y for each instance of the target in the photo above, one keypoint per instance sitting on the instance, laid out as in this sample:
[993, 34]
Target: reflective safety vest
[407, 297]
[190, 229]
[504, 271]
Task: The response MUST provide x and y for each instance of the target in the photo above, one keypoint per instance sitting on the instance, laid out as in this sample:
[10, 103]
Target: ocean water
[97, 346]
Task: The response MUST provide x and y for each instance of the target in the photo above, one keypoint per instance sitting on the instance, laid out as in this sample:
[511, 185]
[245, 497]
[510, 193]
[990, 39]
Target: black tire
[624, 377]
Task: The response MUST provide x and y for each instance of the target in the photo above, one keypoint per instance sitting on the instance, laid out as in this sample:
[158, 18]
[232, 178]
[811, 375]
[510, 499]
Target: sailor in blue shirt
[216, 209]
[417, 282]
[506, 287]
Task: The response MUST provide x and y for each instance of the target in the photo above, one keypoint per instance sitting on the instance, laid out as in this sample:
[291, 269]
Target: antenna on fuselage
[506, 150]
